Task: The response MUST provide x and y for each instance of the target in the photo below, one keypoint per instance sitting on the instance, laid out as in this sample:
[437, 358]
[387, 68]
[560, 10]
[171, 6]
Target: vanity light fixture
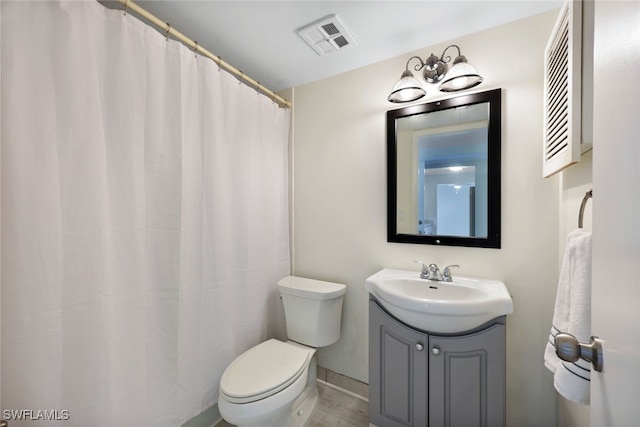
[462, 75]
[407, 89]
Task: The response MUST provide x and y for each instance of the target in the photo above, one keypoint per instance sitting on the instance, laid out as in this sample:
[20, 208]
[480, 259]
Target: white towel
[572, 315]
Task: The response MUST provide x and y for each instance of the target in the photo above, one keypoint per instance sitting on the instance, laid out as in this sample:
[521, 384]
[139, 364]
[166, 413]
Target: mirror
[443, 172]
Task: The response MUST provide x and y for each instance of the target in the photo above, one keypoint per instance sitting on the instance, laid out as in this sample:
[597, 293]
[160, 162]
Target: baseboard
[343, 382]
[207, 418]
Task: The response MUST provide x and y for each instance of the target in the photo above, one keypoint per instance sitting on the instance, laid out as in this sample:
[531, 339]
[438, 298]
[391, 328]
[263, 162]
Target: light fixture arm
[432, 59]
[448, 58]
[435, 68]
[417, 67]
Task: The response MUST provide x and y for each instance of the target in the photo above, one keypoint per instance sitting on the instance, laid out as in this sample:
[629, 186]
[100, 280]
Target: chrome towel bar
[587, 196]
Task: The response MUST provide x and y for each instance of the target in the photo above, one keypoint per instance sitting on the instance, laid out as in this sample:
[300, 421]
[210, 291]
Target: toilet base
[304, 405]
[294, 416]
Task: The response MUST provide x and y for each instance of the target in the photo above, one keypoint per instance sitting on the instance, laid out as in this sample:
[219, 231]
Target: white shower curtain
[144, 218]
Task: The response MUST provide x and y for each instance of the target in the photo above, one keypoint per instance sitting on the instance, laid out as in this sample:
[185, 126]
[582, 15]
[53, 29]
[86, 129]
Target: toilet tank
[312, 309]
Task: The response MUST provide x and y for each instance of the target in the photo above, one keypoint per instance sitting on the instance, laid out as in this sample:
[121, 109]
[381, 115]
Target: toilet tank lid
[310, 288]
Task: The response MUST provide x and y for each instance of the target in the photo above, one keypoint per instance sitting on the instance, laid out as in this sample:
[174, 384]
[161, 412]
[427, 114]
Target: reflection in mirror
[444, 172]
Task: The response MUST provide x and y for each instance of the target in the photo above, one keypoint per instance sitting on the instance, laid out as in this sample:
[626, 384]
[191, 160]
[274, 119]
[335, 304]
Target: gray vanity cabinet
[419, 379]
[397, 372]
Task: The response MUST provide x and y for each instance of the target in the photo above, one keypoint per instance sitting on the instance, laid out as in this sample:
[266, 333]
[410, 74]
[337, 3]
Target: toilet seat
[263, 370]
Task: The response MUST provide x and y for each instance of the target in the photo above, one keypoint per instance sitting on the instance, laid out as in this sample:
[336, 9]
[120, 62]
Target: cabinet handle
[435, 350]
[419, 347]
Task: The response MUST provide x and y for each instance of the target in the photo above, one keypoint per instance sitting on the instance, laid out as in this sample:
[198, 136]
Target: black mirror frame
[494, 98]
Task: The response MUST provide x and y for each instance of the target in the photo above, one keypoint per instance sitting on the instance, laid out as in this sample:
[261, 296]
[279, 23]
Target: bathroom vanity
[420, 379]
[429, 364]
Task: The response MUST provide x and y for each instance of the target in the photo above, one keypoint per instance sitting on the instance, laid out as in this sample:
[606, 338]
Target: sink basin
[439, 307]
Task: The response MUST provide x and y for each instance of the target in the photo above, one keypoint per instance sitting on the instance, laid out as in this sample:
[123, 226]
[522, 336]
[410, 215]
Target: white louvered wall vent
[562, 91]
[327, 35]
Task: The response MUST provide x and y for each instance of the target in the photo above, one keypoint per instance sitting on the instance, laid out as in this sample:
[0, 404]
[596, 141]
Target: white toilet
[274, 383]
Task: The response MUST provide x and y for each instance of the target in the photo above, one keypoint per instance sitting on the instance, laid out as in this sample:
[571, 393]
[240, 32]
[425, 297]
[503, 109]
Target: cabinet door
[397, 372]
[467, 379]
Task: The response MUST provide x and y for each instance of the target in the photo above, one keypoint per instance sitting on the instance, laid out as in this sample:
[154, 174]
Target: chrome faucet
[432, 272]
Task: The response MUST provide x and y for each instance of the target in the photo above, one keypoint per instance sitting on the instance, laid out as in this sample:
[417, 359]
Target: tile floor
[335, 408]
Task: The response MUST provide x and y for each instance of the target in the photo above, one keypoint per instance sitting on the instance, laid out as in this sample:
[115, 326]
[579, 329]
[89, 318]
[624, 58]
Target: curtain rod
[169, 30]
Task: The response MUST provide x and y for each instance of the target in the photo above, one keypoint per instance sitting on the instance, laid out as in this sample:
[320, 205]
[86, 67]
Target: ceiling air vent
[330, 29]
[327, 35]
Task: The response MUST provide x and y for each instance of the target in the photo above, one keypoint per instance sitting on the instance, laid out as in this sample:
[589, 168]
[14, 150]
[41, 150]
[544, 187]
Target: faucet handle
[447, 272]
[425, 270]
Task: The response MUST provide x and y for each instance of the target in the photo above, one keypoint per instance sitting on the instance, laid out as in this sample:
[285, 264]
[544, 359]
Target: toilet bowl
[274, 383]
[261, 385]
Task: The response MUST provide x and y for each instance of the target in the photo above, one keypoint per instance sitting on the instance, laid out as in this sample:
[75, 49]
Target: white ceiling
[259, 37]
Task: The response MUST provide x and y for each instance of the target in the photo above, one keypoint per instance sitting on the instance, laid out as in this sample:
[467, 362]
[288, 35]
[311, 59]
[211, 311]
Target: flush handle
[569, 349]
